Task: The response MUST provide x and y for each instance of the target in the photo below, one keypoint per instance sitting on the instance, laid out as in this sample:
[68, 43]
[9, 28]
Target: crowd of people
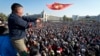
[75, 38]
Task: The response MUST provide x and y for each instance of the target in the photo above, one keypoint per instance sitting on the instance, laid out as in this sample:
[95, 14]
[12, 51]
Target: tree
[65, 18]
[3, 17]
[87, 16]
[70, 19]
[27, 14]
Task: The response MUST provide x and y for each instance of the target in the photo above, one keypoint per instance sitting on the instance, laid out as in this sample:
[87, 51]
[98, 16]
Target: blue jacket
[17, 25]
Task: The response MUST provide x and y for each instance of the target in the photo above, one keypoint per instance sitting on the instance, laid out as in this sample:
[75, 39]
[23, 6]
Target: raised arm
[29, 18]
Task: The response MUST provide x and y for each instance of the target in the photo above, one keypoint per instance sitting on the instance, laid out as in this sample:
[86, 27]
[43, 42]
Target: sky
[78, 7]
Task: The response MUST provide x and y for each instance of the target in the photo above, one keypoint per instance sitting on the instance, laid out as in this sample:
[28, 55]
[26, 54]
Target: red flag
[57, 6]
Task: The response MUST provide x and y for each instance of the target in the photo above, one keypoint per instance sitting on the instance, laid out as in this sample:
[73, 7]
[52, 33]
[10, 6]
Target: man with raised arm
[17, 25]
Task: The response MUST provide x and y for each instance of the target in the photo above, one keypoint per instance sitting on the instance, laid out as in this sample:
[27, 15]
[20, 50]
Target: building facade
[46, 17]
[94, 18]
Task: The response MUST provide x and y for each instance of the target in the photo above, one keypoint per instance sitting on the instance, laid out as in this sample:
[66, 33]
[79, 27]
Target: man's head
[39, 20]
[17, 8]
[39, 23]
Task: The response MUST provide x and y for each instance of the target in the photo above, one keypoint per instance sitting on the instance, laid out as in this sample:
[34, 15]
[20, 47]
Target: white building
[76, 17]
[46, 17]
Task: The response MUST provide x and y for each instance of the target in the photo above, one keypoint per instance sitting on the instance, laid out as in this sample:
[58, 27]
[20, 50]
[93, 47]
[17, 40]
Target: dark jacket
[17, 25]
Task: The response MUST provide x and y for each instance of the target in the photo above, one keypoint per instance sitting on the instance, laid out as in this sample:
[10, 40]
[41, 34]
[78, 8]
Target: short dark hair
[15, 5]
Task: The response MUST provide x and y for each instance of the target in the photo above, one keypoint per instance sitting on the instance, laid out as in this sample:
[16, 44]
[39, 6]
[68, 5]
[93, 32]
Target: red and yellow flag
[57, 6]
